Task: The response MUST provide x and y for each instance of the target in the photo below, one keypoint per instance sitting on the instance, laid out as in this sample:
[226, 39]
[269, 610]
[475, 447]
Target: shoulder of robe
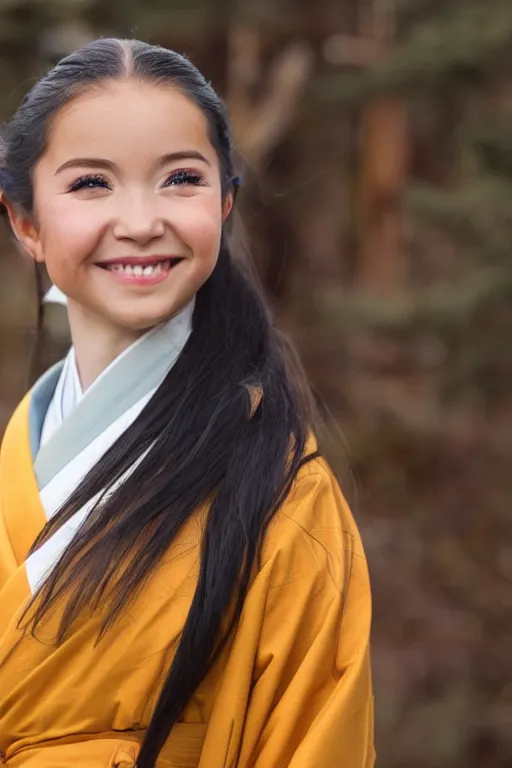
[314, 532]
[17, 426]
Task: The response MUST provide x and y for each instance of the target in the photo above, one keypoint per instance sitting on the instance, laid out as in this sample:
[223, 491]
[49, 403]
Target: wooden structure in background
[383, 161]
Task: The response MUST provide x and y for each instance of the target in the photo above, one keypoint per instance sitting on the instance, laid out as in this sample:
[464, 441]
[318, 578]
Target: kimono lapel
[131, 379]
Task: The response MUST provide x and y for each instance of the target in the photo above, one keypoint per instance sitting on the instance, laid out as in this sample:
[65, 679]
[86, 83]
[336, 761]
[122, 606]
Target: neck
[96, 343]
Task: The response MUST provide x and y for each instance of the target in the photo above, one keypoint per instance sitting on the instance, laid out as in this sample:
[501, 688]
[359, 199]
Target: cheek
[200, 228]
[67, 233]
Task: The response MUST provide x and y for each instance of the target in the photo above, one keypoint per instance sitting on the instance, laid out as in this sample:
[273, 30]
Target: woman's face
[128, 209]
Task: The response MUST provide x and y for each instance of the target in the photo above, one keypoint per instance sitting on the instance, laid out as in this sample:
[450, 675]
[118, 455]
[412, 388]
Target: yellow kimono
[292, 688]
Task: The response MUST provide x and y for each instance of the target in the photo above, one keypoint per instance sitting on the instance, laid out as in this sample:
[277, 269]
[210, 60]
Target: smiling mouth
[146, 267]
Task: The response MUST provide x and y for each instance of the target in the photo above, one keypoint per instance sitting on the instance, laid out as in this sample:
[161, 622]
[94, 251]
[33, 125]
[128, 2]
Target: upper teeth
[138, 270]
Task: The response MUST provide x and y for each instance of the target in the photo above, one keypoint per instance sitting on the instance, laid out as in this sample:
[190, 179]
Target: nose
[139, 220]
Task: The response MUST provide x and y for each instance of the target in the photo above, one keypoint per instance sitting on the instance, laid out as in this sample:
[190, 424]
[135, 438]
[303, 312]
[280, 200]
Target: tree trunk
[383, 176]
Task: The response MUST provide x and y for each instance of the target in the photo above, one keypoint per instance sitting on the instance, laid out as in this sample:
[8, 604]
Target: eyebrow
[97, 162]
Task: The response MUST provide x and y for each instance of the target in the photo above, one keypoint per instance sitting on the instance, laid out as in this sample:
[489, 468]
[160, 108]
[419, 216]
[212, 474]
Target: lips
[142, 261]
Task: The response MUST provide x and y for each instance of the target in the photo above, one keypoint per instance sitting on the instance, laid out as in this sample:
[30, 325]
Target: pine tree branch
[477, 214]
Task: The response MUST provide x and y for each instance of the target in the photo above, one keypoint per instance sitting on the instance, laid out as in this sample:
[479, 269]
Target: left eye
[90, 181]
[178, 178]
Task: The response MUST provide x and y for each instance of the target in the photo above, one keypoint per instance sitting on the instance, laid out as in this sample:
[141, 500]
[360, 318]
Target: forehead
[129, 118]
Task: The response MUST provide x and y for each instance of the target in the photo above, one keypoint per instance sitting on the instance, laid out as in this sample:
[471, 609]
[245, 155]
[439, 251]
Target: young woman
[181, 582]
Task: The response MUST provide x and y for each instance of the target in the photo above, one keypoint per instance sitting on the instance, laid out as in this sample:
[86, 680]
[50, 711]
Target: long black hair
[202, 438]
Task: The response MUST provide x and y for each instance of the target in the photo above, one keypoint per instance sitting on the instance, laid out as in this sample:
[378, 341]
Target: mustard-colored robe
[292, 688]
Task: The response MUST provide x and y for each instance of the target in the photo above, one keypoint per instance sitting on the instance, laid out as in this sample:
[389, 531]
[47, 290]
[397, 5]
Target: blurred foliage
[418, 378]
[440, 44]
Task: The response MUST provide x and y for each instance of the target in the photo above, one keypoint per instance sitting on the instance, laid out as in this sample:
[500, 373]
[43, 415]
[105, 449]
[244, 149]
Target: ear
[227, 205]
[25, 231]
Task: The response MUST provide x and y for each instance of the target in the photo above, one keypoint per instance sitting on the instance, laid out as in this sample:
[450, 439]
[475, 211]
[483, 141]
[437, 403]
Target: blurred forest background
[375, 143]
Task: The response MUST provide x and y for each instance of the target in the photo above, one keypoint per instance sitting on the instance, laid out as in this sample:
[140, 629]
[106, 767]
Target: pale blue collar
[135, 373]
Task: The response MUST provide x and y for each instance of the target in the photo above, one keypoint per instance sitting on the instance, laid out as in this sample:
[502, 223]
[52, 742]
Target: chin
[138, 323]
[140, 316]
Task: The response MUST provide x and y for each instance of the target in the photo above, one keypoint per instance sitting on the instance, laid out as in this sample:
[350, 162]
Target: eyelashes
[91, 181]
[175, 179]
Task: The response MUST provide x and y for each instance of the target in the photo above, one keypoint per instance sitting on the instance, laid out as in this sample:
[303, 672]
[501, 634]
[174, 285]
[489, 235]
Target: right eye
[91, 181]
